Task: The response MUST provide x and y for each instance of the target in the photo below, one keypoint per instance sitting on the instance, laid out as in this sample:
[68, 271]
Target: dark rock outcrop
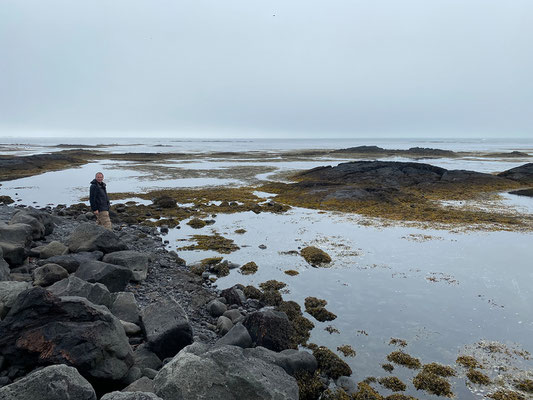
[291, 360]
[15, 240]
[270, 329]
[167, 327]
[236, 336]
[130, 396]
[55, 382]
[42, 329]
[49, 274]
[137, 262]
[71, 262]
[114, 277]
[522, 174]
[96, 293]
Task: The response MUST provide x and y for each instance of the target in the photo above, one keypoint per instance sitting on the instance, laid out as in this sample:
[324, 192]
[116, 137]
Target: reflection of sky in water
[483, 288]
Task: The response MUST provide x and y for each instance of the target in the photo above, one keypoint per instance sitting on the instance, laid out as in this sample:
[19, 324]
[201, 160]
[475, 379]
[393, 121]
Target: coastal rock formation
[114, 277]
[4, 267]
[522, 174]
[49, 274]
[55, 382]
[422, 152]
[135, 261]
[15, 239]
[42, 329]
[96, 293]
[223, 372]
[91, 237]
[71, 262]
[270, 329]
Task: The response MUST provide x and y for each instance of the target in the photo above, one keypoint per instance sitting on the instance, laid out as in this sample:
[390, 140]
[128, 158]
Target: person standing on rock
[99, 201]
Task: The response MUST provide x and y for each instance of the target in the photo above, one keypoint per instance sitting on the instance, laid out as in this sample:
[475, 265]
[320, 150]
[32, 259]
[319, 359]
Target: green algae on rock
[240, 231]
[468, 362]
[310, 386]
[214, 242]
[366, 392]
[314, 256]
[272, 284]
[398, 342]
[338, 394]
[331, 329]
[477, 377]
[196, 223]
[432, 384]
[315, 307]
[392, 383]
[401, 358]
[331, 364]
[387, 367]
[525, 385]
[249, 268]
[291, 272]
[399, 396]
[312, 302]
[346, 350]
[506, 395]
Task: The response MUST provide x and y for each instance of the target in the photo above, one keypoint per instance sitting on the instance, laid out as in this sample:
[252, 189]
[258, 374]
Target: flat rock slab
[114, 277]
[42, 329]
[54, 248]
[223, 372]
[71, 262]
[56, 382]
[96, 293]
[90, 237]
[167, 328]
[137, 262]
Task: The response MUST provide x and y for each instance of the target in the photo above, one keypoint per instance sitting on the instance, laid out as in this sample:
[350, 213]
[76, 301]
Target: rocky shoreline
[113, 315]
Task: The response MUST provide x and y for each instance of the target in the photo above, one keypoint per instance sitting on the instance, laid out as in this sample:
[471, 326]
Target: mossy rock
[506, 395]
[468, 362]
[477, 377]
[197, 223]
[432, 384]
[220, 269]
[346, 350]
[215, 242]
[249, 268]
[314, 256]
[439, 369]
[301, 330]
[398, 342]
[165, 202]
[240, 231]
[211, 261]
[291, 272]
[321, 314]
[399, 396]
[338, 394]
[272, 285]
[6, 200]
[525, 385]
[401, 358]
[198, 269]
[310, 386]
[312, 302]
[388, 367]
[271, 298]
[366, 392]
[252, 292]
[291, 308]
[331, 364]
[392, 383]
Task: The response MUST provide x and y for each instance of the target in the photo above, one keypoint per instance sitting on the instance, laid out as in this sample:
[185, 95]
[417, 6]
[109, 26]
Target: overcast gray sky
[245, 68]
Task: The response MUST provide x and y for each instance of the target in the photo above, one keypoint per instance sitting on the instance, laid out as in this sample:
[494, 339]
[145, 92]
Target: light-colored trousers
[102, 218]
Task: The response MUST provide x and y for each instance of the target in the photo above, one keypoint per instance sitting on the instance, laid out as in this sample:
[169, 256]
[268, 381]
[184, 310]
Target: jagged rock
[43, 329]
[56, 382]
[167, 327]
[48, 274]
[223, 372]
[54, 248]
[130, 396]
[71, 262]
[15, 239]
[236, 336]
[135, 261]
[36, 226]
[143, 384]
[42, 216]
[14, 254]
[234, 295]
[216, 308]
[9, 290]
[224, 325]
[145, 358]
[72, 286]
[234, 315]
[291, 360]
[269, 328]
[90, 237]
[125, 307]
[114, 277]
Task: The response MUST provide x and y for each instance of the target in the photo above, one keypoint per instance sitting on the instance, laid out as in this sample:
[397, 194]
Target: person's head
[99, 177]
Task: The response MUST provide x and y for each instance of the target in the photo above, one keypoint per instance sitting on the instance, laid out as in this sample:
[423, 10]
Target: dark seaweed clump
[526, 385]
[314, 256]
[439, 369]
[393, 383]
[249, 268]
[310, 386]
[433, 384]
[272, 285]
[366, 392]
[399, 396]
[387, 367]
[315, 307]
[506, 395]
[331, 364]
[401, 358]
[468, 362]
[477, 377]
[346, 350]
[197, 223]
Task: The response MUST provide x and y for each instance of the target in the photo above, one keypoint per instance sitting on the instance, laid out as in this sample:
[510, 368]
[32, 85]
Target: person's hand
[95, 212]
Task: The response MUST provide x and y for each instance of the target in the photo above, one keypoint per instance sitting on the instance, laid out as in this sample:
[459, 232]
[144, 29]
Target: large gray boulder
[90, 237]
[96, 293]
[143, 384]
[270, 329]
[223, 372]
[71, 262]
[53, 248]
[44, 218]
[130, 396]
[166, 327]
[135, 261]
[125, 307]
[49, 274]
[15, 240]
[42, 329]
[9, 290]
[56, 382]
[236, 336]
[146, 358]
[291, 360]
[114, 277]
[36, 225]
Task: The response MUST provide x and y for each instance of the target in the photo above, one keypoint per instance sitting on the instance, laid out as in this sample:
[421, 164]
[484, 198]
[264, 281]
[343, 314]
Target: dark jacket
[98, 196]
